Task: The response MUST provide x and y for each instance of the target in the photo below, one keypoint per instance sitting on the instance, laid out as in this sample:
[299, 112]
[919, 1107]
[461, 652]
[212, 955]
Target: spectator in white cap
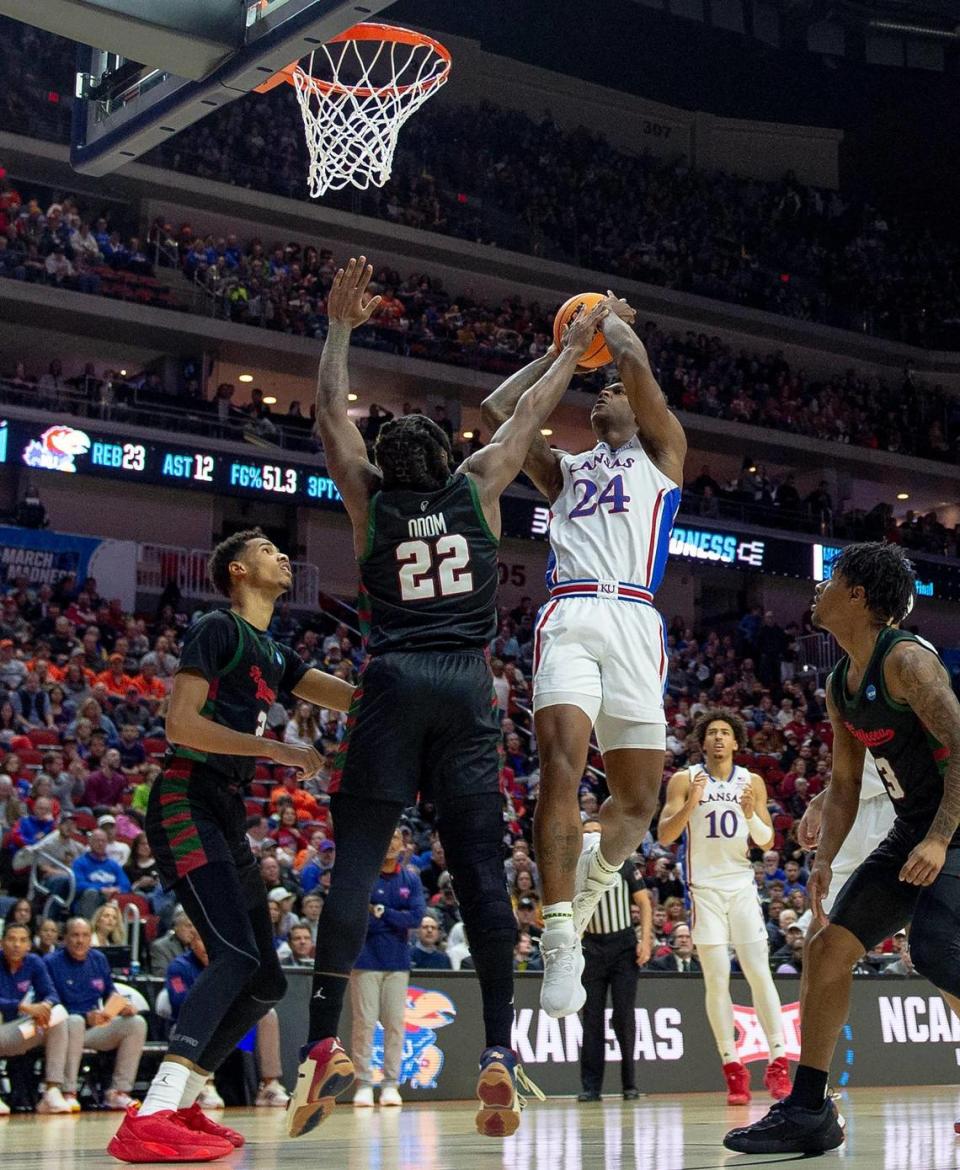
[119, 851]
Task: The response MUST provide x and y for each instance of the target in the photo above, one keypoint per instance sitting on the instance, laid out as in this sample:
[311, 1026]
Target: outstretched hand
[347, 302]
[619, 307]
[582, 329]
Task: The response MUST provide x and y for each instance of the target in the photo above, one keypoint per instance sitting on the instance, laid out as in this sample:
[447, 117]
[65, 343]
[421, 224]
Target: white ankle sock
[166, 1089]
[195, 1083]
[558, 922]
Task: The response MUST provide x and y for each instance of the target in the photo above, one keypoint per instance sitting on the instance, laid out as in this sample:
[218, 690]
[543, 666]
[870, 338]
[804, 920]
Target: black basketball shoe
[788, 1129]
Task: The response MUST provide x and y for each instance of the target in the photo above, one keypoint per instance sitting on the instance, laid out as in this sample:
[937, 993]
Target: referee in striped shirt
[612, 958]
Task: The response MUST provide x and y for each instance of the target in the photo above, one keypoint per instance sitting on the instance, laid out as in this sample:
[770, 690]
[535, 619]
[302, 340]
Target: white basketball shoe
[591, 882]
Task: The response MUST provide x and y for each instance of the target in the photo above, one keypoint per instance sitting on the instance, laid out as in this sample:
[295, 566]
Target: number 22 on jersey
[427, 568]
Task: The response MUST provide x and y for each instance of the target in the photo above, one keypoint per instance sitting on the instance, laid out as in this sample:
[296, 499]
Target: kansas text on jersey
[715, 840]
[610, 525]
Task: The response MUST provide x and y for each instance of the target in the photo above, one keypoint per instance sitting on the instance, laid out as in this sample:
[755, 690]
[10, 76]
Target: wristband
[759, 829]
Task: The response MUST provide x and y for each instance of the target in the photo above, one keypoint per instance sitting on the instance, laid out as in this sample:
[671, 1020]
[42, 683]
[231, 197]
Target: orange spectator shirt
[151, 688]
[114, 685]
[306, 805]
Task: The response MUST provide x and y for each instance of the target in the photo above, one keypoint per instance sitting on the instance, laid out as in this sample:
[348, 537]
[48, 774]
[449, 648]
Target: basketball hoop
[355, 93]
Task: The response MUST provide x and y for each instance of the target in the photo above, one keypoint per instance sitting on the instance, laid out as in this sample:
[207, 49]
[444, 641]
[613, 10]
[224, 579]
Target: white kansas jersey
[872, 784]
[715, 839]
[610, 525]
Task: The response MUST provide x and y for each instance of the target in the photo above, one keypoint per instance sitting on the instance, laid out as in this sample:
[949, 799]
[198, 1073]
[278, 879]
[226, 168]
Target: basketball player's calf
[471, 831]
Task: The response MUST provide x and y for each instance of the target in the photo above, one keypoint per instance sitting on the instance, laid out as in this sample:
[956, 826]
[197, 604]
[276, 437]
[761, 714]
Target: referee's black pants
[610, 962]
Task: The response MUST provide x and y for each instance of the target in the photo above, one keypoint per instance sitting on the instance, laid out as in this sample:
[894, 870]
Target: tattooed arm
[914, 675]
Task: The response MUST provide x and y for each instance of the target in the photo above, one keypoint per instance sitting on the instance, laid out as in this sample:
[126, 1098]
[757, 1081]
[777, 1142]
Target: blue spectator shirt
[92, 873]
[82, 987]
[16, 986]
[182, 973]
[429, 960]
[386, 947]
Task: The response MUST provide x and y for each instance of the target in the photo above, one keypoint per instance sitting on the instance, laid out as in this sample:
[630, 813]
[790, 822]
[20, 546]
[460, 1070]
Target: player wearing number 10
[424, 717]
[718, 807]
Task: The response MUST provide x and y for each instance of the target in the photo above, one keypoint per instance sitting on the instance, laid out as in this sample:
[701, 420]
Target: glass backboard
[143, 86]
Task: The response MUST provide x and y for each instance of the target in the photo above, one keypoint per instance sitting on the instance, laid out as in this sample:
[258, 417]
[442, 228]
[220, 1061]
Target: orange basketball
[596, 353]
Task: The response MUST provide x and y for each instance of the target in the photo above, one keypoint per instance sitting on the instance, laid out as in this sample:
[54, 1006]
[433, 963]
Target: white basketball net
[352, 125]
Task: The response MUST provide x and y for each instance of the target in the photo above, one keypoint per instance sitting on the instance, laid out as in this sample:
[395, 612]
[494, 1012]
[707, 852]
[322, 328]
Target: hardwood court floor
[888, 1129]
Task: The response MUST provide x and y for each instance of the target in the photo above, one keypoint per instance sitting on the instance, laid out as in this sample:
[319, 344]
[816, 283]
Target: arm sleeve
[634, 884]
[294, 668]
[209, 645]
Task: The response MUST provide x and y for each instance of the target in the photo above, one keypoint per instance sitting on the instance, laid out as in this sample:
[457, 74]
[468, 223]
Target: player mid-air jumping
[423, 720]
[599, 655]
[890, 694]
[718, 807]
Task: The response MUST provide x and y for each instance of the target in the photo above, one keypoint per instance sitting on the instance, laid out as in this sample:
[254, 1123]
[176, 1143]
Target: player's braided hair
[218, 566]
[720, 715]
[413, 453]
[885, 574]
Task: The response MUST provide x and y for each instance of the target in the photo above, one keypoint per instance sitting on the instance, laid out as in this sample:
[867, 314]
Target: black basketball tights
[471, 830]
[243, 979]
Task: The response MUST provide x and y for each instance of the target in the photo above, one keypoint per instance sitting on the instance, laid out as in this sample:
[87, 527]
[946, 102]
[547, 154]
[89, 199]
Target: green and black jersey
[909, 759]
[246, 670]
[429, 571]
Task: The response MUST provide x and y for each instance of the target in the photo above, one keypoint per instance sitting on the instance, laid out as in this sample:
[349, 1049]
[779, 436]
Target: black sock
[809, 1087]
[326, 1004]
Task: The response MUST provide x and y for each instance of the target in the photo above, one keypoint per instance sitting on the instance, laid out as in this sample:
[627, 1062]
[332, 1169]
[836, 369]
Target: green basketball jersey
[429, 571]
[910, 760]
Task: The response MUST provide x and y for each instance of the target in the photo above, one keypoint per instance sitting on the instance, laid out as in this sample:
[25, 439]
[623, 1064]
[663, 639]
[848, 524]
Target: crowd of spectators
[501, 176]
[83, 689]
[283, 286]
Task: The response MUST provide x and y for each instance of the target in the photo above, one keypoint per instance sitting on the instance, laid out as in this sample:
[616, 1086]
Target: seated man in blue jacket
[182, 973]
[378, 982]
[27, 1002]
[81, 978]
[98, 877]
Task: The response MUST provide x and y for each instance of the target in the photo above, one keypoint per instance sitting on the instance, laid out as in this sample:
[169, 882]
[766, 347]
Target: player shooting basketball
[599, 654]
[426, 538]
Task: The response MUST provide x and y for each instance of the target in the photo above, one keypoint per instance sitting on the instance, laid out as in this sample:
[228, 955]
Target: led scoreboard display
[76, 450]
[72, 449]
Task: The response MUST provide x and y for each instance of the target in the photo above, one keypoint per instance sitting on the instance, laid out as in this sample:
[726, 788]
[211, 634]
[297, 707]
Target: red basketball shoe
[325, 1073]
[738, 1083]
[777, 1078]
[164, 1137]
[195, 1118]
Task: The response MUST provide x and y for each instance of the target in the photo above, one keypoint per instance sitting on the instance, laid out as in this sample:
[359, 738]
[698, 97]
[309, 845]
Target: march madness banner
[44, 557]
[899, 1031]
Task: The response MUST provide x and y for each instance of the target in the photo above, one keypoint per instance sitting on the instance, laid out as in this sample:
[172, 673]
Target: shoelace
[527, 1088]
[563, 958]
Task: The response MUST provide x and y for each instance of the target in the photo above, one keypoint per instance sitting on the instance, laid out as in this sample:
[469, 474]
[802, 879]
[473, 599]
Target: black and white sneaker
[788, 1129]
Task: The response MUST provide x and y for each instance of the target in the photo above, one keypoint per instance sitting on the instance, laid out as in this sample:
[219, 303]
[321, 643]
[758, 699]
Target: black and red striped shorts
[195, 817]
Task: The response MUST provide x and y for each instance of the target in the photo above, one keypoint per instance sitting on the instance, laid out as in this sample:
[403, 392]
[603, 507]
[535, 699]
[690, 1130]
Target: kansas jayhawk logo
[422, 1060]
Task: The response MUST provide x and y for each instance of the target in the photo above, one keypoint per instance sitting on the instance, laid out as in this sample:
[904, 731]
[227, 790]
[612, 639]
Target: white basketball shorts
[875, 818]
[726, 917]
[607, 657]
